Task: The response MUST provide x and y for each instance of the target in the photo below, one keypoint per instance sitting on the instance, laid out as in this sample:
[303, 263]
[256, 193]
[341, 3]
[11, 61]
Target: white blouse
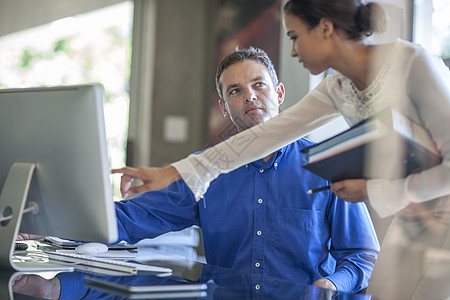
[409, 79]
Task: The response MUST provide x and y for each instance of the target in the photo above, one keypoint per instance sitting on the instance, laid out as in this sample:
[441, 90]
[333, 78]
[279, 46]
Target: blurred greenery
[28, 56]
[61, 46]
[88, 63]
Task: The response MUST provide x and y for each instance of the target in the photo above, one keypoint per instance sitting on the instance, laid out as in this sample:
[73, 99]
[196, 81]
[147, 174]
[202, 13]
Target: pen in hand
[319, 189]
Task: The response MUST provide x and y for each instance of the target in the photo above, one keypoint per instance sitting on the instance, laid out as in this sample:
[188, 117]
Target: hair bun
[370, 18]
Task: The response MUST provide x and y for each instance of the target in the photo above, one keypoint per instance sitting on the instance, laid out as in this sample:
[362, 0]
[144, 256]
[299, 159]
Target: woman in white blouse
[366, 78]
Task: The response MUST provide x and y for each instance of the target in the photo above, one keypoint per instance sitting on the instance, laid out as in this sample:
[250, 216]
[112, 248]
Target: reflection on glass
[210, 282]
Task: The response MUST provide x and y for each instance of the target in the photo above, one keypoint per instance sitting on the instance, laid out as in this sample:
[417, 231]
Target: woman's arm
[198, 170]
[151, 179]
[313, 111]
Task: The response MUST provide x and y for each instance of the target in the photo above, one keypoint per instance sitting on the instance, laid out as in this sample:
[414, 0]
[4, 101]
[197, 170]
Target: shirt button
[259, 232]
[275, 164]
[257, 286]
[260, 200]
[257, 265]
[261, 170]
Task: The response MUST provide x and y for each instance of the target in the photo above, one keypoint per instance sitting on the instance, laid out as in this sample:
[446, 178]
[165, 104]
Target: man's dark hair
[240, 55]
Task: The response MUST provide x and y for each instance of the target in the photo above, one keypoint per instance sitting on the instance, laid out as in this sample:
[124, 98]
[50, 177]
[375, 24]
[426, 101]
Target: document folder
[387, 145]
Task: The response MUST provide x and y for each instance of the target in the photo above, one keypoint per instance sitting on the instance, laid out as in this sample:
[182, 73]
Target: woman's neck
[360, 62]
[353, 60]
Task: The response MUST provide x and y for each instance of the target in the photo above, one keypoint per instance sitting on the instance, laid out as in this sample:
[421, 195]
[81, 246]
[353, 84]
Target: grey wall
[182, 78]
[170, 80]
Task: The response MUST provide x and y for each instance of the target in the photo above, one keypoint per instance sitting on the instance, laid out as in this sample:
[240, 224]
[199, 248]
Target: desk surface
[221, 283]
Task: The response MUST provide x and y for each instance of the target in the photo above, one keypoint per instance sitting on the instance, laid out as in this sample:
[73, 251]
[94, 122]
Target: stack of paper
[173, 245]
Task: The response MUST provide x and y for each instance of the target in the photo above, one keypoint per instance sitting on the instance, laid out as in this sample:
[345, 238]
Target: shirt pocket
[301, 235]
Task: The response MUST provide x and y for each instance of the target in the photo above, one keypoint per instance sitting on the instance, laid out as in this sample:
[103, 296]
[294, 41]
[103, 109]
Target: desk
[222, 283]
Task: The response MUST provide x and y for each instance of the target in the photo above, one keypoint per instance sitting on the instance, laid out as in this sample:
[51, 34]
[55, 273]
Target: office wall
[241, 24]
[181, 79]
[172, 86]
[170, 80]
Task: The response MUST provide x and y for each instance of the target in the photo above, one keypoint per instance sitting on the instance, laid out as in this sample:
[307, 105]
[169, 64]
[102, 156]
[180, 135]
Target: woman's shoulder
[396, 47]
[404, 47]
[412, 53]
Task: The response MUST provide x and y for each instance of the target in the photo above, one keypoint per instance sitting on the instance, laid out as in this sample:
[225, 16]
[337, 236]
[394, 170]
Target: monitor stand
[12, 202]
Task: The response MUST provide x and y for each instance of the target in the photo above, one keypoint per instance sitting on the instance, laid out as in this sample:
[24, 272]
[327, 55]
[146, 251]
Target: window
[432, 26]
[87, 48]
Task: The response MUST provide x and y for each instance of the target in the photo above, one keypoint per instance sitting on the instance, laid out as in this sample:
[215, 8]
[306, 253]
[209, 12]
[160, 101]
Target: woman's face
[308, 45]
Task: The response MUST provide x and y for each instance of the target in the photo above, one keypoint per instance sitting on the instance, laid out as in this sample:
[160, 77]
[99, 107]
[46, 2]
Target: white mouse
[91, 248]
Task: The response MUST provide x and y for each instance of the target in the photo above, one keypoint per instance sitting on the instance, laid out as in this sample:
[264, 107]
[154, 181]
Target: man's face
[249, 96]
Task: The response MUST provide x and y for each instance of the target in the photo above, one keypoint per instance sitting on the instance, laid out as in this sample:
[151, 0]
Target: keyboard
[85, 262]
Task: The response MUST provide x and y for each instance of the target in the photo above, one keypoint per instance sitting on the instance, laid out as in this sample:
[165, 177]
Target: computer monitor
[53, 154]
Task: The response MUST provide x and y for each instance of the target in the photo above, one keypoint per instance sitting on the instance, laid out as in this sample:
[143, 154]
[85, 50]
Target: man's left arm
[152, 213]
[354, 245]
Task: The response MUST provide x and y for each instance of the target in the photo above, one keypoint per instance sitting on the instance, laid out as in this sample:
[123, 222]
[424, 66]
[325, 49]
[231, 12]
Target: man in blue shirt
[260, 218]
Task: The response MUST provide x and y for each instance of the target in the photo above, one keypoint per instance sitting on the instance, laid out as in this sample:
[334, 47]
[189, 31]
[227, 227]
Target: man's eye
[260, 84]
[293, 38]
[233, 91]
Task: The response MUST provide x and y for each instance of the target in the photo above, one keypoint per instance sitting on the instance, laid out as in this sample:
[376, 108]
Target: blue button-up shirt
[260, 219]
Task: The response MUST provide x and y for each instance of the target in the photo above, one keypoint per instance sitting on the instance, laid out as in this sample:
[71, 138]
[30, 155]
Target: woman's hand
[151, 178]
[352, 190]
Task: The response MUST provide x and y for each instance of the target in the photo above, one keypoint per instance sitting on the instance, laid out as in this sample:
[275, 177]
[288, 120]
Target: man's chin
[251, 123]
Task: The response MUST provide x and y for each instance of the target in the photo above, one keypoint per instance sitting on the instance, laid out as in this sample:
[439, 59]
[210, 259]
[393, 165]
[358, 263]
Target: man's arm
[156, 212]
[354, 245]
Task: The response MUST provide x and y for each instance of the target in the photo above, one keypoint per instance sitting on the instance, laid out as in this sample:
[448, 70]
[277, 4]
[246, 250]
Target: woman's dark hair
[351, 17]
[240, 55]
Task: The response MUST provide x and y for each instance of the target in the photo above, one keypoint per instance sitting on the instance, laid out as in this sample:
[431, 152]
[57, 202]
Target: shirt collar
[274, 161]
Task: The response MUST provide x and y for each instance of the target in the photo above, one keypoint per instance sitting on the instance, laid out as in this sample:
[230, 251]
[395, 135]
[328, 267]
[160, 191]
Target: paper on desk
[116, 254]
[168, 251]
[70, 244]
[149, 254]
[186, 237]
[56, 241]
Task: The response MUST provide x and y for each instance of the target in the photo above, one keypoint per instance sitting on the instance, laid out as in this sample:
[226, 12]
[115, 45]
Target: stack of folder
[387, 145]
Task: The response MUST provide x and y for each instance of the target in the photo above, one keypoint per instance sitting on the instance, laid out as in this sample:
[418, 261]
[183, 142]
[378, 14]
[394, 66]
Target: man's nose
[249, 96]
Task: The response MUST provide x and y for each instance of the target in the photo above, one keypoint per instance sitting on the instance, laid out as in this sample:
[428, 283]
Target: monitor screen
[62, 131]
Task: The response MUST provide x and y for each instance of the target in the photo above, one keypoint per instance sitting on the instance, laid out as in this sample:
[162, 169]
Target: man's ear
[280, 92]
[223, 108]
[326, 27]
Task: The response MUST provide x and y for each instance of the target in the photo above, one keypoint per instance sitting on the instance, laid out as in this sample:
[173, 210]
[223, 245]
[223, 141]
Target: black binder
[360, 151]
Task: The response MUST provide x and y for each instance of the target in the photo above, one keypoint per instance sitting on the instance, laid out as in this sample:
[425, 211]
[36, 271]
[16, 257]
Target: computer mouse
[91, 248]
